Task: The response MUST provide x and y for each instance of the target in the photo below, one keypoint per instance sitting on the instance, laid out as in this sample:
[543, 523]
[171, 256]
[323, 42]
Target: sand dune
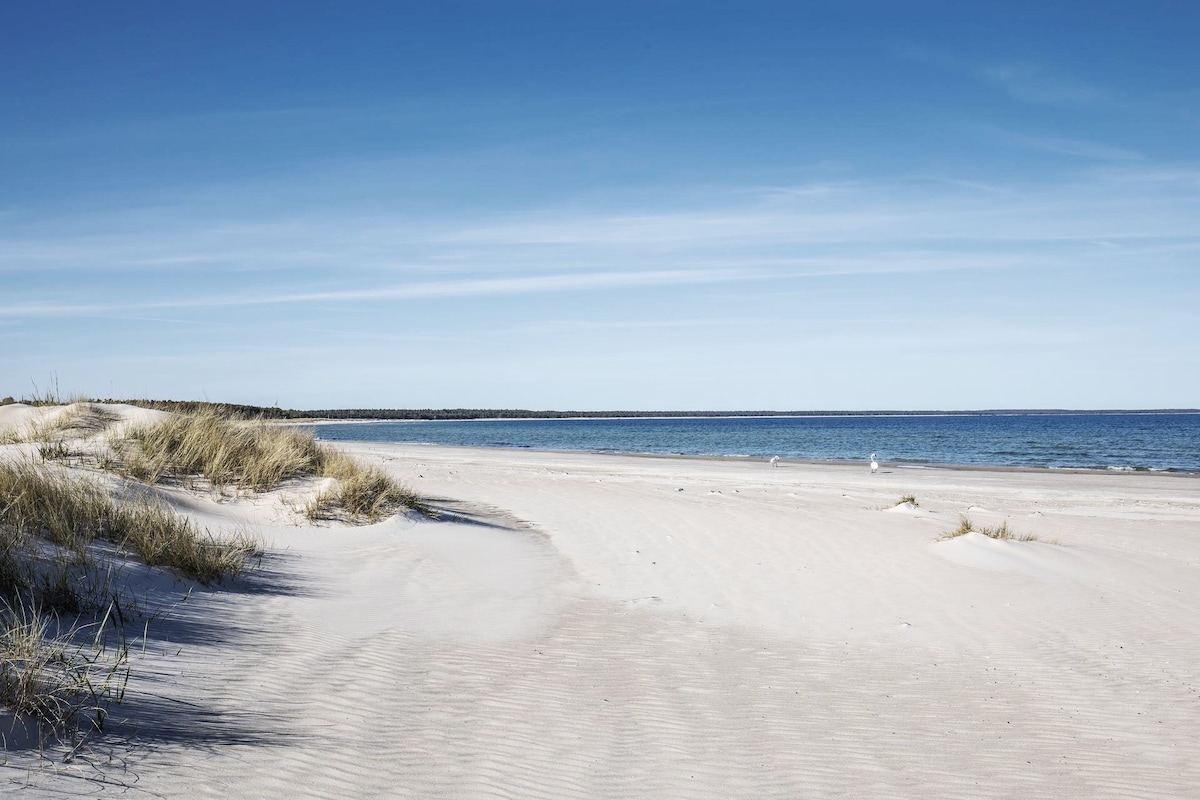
[581, 626]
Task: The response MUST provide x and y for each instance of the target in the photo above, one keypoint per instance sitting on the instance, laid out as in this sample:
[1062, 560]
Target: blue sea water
[1108, 441]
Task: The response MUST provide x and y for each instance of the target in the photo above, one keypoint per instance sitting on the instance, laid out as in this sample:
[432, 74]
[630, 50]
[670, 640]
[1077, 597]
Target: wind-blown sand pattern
[584, 626]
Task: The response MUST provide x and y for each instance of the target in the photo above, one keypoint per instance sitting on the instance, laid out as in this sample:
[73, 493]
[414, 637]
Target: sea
[1125, 441]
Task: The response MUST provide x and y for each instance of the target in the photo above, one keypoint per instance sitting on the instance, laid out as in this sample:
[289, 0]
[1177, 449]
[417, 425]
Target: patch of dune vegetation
[1001, 531]
[57, 681]
[62, 543]
[258, 457]
[50, 519]
[65, 543]
[360, 493]
[253, 456]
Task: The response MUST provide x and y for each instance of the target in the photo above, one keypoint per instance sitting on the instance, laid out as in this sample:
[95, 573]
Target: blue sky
[651, 205]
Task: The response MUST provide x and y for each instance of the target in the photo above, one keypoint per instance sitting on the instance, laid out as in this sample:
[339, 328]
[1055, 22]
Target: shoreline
[1175, 473]
[735, 415]
[1158, 444]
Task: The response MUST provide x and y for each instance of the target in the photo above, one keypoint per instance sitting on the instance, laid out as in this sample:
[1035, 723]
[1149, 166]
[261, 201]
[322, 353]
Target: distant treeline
[233, 410]
[242, 411]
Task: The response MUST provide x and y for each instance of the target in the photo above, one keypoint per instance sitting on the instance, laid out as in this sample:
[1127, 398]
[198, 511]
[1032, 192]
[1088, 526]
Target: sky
[603, 205]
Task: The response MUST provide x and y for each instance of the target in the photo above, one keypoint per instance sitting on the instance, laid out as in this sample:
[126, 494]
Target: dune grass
[64, 540]
[62, 681]
[42, 431]
[65, 546]
[75, 420]
[258, 457]
[62, 545]
[908, 498]
[965, 526]
[361, 493]
[40, 507]
[253, 456]
[1001, 531]
[221, 451]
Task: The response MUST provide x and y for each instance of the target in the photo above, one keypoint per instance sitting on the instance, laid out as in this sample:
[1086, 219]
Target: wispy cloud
[743, 270]
[569, 325]
[745, 235]
[1026, 81]
[1079, 148]
[1035, 84]
[923, 54]
[535, 284]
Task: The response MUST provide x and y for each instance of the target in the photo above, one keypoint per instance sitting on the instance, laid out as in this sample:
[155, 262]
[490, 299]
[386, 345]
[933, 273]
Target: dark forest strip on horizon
[245, 411]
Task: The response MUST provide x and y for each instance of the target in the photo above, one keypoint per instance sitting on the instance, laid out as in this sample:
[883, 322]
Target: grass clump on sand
[57, 539]
[361, 492]
[60, 681]
[257, 456]
[910, 499]
[1001, 531]
[62, 545]
[40, 507]
[965, 526]
[249, 455]
[50, 433]
[42, 431]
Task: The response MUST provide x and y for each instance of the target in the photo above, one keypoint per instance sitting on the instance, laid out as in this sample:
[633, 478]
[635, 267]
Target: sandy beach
[601, 626]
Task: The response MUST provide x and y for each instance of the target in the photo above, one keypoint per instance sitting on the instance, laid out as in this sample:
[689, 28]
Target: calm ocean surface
[1147, 442]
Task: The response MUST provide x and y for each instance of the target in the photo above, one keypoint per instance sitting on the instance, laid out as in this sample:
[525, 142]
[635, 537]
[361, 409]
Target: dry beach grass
[999, 532]
[67, 533]
[256, 456]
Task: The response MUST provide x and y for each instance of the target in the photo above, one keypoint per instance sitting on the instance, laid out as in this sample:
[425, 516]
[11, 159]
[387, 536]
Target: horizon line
[512, 412]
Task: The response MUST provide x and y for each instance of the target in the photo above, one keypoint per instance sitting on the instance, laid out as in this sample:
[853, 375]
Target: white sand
[617, 627]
